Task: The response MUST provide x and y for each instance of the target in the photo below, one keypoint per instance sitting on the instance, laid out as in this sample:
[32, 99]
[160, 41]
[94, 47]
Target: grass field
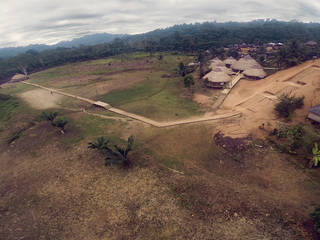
[134, 83]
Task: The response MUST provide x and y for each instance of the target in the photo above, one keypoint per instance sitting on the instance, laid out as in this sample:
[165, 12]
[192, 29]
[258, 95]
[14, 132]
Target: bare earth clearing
[256, 99]
[41, 99]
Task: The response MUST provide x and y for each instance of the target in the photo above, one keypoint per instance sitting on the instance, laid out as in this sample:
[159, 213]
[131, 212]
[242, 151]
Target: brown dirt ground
[50, 190]
[41, 99]
[256, 99]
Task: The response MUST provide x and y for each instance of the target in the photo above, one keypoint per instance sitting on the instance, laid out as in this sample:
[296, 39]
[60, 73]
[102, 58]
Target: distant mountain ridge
[88, 40]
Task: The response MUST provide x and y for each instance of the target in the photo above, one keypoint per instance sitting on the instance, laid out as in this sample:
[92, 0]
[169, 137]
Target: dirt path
[137, 117]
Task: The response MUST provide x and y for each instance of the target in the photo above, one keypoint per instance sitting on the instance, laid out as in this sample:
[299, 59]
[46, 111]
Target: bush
[48, 116]
[188, 81]
[316, 155]
[60, 122]
[315, 216]
[182, 69]
[288, 104]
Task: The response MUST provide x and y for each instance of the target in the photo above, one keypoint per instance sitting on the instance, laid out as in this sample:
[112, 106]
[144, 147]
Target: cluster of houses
[222, 72]
[252, 48]
[271, 47]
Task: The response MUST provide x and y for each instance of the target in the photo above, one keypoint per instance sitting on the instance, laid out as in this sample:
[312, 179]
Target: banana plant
[316, 155]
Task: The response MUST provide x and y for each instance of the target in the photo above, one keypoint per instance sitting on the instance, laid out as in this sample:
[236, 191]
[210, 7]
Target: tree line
[186, 38]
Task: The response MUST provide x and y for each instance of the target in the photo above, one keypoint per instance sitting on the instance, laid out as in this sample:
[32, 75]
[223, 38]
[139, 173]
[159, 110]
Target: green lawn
[157, 97]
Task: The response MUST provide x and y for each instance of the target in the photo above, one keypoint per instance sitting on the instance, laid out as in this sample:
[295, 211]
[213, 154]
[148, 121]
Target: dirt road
[141, 118]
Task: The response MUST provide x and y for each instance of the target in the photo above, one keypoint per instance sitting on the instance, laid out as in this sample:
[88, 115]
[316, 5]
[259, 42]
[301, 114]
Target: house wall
[314, 117]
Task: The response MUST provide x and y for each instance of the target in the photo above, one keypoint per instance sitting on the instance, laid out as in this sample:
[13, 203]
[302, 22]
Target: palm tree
[117, 156]
[101, 143]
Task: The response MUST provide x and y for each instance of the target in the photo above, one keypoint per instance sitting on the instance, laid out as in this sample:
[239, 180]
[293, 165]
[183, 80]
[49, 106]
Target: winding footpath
[138, 117]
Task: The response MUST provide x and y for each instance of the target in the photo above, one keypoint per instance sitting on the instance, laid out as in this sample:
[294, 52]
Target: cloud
[38, 21]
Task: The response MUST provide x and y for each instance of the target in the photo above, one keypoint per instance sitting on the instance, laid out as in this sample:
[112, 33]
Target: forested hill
[192, 38]
[88, 40]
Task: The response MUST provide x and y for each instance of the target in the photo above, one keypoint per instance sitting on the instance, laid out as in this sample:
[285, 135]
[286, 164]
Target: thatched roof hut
[230, 61]
[256, 73]
[18, 77]
[250, 67]
[216, 62]
[244, 63]
[217, 78]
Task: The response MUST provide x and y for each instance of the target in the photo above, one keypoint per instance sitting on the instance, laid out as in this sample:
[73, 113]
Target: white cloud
[41, 21]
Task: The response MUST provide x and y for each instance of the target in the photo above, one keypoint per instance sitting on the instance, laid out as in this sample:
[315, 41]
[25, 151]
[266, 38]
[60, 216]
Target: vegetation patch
[315, 216]
[296, 140]
[116, 154]
[155, 98]
[8, 105]
[287, 104]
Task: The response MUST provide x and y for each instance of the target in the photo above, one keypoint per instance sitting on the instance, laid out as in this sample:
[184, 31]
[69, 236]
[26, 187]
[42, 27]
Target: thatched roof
[18, 77]
[230, 61]
[244, 63]
[216, 62]
[311, 43]
[218, 76]
[255, 73]
[250, 67]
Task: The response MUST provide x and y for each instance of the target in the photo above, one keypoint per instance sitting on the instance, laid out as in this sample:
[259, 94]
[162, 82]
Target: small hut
[255, 72]
[314, 113]
[229, 62]
[217, 78]
[244, 63]
[311, 44]
[18, 77]
[216, 62]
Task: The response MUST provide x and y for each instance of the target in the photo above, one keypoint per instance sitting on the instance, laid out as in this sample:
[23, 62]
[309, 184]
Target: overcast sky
[25, 22]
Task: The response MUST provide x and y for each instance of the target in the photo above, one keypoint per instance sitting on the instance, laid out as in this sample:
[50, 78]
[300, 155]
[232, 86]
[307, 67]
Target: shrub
[316, 155]
[188, 81]
[60, 122]
[288, 104]
[295, 137]
[48, 116]
[101, 143]
[315, 216]
[182, 69]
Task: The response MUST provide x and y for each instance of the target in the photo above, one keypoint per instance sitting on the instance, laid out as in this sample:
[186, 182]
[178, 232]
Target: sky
[24, 22]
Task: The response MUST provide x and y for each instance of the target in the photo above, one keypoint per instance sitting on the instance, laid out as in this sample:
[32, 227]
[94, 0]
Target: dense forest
[187, 38]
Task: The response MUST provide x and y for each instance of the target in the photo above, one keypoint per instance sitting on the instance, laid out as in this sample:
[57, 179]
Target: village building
[255, 72]
[229, 61]
[311, 44]
[250, 68]
[314, 113]
[217, 78]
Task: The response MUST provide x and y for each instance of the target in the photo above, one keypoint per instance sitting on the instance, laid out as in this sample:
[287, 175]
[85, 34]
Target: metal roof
[315, 110]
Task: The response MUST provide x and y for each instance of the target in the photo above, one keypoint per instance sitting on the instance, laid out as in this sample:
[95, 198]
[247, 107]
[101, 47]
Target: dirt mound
[232, 145]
